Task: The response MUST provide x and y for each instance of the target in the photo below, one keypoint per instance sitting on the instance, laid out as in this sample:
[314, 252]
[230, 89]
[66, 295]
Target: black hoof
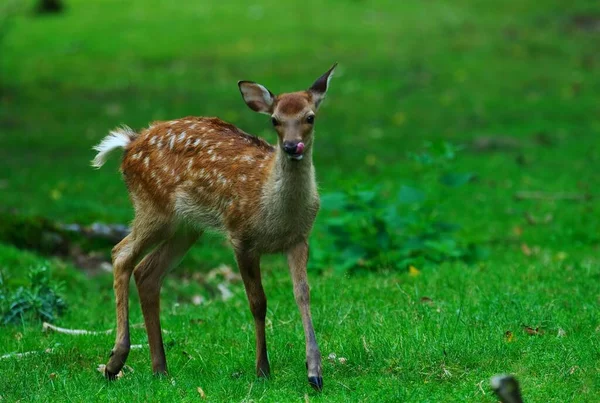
[111, 376]
[316, 382]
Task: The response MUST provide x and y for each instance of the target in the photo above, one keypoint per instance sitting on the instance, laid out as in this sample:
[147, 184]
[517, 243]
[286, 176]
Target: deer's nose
[292, 147]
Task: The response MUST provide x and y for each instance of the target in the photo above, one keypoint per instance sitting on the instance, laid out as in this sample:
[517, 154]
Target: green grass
[409, 72]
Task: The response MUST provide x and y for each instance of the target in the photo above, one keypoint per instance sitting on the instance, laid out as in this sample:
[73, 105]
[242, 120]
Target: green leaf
[410, 195]
[454, 179]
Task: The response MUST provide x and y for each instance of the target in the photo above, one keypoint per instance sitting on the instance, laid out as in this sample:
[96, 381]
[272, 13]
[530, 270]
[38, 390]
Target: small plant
[40, 299]
[373, 229]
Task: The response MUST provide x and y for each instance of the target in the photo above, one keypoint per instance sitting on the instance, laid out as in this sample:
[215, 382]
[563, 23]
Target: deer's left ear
[319, 88]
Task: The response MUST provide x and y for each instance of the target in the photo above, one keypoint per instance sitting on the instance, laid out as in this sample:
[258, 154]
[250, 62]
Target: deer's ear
[257, 97]
[319, 88]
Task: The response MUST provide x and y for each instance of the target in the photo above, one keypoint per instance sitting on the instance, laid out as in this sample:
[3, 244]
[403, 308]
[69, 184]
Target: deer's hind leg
[149, 275]
[124, 257]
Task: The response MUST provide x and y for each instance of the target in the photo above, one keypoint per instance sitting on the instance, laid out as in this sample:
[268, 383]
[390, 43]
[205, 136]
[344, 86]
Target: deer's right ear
[257, 97]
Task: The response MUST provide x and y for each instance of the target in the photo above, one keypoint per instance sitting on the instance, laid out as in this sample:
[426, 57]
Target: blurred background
[408, 73]
[504, 92]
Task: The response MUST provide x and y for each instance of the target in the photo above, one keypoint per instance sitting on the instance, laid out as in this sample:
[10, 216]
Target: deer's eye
[310, 119]
[275, 122]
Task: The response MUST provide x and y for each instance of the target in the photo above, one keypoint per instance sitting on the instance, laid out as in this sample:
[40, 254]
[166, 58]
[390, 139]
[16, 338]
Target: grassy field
[522, 74]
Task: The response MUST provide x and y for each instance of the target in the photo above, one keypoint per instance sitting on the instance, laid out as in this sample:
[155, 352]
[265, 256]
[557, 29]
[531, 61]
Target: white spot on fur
[243, 178]
[147, 161]
[159, 144]
[192, 127]
[171, 142]
[152, 140]
[210, 151]
[196, 142]
[181, 137]
[247, 158]
[190, 162]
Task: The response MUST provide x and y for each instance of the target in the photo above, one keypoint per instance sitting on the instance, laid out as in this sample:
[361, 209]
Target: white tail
[191, 174]
[118, 138]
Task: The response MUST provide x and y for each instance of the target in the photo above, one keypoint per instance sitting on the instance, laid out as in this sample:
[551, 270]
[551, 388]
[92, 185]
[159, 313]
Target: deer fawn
[192, 174]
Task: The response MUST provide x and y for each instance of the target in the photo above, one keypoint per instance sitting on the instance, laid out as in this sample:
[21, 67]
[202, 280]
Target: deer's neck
[291, 183]
[294, 177]
[289, 203]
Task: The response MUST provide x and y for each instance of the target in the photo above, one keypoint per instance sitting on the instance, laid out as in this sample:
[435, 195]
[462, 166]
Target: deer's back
[204, 170]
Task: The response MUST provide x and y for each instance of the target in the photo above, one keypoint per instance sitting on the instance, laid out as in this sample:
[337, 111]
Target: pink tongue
[300, 148]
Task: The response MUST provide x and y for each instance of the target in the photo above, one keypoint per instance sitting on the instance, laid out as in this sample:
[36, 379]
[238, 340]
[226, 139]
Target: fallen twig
[534, 195]
[25, 354]
[78, 332]
[47, 326]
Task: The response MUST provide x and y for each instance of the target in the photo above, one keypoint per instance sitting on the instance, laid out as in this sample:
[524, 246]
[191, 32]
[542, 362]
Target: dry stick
[47, 326]
[532, 195]
[77, 332]
[25, 354]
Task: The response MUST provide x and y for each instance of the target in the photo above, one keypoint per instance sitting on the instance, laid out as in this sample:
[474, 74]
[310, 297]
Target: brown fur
[189, 167]
[294, 103]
